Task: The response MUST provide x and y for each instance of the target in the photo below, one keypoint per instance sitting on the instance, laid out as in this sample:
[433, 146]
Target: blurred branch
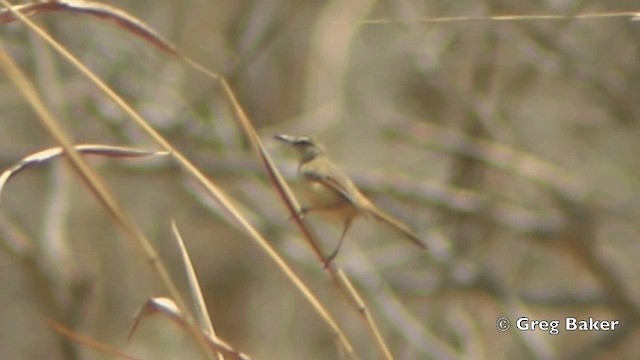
[15, 243]
[632, 15]
[580, 241]
[495, 154]
[421, 192]
[398, 314]
[602, 343]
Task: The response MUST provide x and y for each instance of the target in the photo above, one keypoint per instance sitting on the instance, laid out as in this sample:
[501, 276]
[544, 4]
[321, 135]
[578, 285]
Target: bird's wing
[333, 178]
[336, 180]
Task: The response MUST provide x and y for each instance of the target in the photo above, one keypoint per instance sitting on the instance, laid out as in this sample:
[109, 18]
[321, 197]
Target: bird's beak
[285, 138]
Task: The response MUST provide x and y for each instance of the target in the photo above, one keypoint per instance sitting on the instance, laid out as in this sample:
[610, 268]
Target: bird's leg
[302, 213]
[334, 253]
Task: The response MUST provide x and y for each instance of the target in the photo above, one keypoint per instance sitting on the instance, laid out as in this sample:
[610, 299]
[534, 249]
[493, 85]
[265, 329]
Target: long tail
[397, 224]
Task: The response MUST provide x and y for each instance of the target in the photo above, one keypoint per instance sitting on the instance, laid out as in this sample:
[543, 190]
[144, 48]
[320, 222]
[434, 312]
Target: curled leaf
[120, 17]
[168, 308]
[47, 155]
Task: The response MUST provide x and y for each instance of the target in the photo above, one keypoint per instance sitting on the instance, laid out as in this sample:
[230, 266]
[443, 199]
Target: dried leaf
[88, 342]
[120, 17]
[201, 312]
[47, 155]
[167, 307]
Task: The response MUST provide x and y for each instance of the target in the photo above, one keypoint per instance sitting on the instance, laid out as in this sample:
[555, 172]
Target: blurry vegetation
[509, 146]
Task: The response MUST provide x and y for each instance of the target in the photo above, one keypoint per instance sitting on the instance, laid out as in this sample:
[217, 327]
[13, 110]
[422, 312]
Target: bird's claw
[300, 213]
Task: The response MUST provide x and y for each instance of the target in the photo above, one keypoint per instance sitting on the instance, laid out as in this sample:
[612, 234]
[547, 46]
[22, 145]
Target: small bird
[332, 194]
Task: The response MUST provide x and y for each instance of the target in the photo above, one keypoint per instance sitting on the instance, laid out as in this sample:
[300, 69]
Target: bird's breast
[321, 196]
[327, 203]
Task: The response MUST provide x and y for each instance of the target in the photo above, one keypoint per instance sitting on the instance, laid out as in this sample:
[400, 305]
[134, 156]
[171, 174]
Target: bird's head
[306, 147]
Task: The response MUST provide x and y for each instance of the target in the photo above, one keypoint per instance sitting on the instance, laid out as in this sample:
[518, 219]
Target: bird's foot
[301, 213]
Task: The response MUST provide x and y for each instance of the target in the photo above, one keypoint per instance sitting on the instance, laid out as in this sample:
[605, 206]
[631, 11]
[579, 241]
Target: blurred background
[511, 147]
